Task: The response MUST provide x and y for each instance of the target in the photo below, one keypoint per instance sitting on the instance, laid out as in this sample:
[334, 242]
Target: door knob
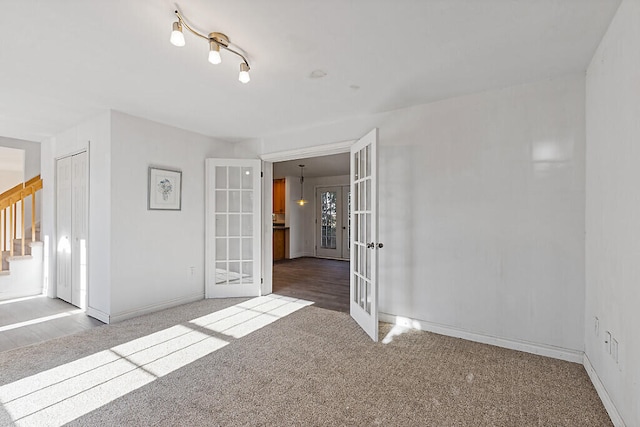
[380, 245]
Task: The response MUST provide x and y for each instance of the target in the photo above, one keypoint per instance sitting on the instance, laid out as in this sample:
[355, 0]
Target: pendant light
[302, 201]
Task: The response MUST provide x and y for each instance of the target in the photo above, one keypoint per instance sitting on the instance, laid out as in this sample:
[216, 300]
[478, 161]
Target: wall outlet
[614, 349]
[596, 326]
[607, 341]
[191, 271]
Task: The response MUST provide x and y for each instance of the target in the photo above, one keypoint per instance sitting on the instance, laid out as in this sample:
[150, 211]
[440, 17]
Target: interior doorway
[317, 266]
[12, 166]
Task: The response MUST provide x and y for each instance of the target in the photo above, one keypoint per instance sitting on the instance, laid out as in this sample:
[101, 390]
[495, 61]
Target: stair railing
[12, 206]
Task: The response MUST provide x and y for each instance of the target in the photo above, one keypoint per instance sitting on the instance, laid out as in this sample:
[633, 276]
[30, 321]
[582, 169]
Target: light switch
[607, 341]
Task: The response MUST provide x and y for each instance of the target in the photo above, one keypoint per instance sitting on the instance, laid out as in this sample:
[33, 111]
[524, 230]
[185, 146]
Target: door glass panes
[247, 178]
[328, 218]
[362, 222]
[234, 177]
[349, 220]
[234, 216]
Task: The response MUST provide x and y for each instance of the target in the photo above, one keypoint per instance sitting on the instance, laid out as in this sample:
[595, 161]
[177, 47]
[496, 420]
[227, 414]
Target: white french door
[332, 222]
[233, 216]
[72, 194]
[346, 221]
[364, 234]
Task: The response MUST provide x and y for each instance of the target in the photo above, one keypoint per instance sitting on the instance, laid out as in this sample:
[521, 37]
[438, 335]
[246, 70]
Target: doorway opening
[311, 241]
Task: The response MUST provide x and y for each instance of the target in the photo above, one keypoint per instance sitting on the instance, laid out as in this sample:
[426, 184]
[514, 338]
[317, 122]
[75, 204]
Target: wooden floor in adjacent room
[323, 281]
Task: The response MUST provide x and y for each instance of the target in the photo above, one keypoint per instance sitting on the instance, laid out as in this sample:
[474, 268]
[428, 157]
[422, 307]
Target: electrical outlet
[596, 326]
[614, 349]
[607, 341]
[191, 271]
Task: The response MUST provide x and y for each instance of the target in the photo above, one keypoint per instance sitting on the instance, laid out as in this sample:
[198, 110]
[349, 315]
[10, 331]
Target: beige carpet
[316, 367]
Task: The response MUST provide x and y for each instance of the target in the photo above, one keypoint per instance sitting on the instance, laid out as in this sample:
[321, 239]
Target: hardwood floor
[26, 321]
[323, 281]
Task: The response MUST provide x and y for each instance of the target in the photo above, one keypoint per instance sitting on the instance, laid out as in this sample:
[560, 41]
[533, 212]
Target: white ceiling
[333, 165]
[62, 61]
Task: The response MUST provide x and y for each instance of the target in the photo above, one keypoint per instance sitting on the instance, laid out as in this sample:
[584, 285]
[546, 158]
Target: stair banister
[9, 205]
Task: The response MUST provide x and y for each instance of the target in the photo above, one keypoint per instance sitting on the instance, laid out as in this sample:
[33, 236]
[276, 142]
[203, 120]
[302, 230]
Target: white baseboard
[97, 314]
[301, 254]
[615, 416]
[20, 294]
[528, 347]
[119, 317]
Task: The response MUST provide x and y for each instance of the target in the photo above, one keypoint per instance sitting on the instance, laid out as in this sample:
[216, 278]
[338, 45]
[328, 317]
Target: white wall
[31, 154]
[481, 209]
[153, 251]
[92, 135]
[294, 217]
[9, 179]
[613, 210]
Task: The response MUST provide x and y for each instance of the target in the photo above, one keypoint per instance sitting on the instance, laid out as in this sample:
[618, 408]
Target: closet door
[71, 228]
[63, 228]
[79, 219]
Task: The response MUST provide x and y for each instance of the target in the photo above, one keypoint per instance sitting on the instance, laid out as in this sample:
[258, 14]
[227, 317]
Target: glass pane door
[329, 221]
[233, 228]
[332, 222]
[364, 230]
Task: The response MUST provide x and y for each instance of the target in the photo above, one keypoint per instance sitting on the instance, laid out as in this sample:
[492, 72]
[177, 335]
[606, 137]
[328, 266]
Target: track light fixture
[216, 41]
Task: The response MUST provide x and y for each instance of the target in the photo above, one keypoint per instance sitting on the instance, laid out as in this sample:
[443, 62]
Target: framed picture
[165, 189]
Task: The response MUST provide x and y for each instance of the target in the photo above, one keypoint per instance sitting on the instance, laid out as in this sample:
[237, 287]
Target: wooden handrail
[10, 192]
[9, 210]
[20, 191]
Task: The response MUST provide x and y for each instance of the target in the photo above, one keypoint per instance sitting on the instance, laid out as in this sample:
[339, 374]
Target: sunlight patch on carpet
[69, 391]
[242, 319]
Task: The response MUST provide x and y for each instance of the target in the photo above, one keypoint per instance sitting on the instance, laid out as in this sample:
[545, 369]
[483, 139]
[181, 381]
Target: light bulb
[214, 53]
[177, 38]
[244, 73]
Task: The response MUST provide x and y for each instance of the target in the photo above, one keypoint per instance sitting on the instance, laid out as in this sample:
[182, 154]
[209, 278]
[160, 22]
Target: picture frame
[164, 191]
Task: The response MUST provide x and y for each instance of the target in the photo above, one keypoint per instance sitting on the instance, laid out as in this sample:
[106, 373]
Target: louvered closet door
[72, 194]
[63, 228]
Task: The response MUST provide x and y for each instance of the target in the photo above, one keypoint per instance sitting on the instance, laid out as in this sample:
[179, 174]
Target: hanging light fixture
[302, 201]
[177, 37]
[216, 41]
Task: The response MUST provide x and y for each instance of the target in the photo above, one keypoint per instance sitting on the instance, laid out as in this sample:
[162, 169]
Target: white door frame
[267, 195]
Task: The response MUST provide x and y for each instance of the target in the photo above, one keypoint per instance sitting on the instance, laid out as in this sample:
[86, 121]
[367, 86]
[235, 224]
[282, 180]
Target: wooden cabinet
[278, 244]
[279, 196]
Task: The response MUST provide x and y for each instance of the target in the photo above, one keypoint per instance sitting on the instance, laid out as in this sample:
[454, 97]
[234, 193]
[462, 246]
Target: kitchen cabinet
[280, 243]
[279, 196]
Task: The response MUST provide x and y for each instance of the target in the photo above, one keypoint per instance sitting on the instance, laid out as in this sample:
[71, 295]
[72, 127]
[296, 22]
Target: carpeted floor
[316, 367]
